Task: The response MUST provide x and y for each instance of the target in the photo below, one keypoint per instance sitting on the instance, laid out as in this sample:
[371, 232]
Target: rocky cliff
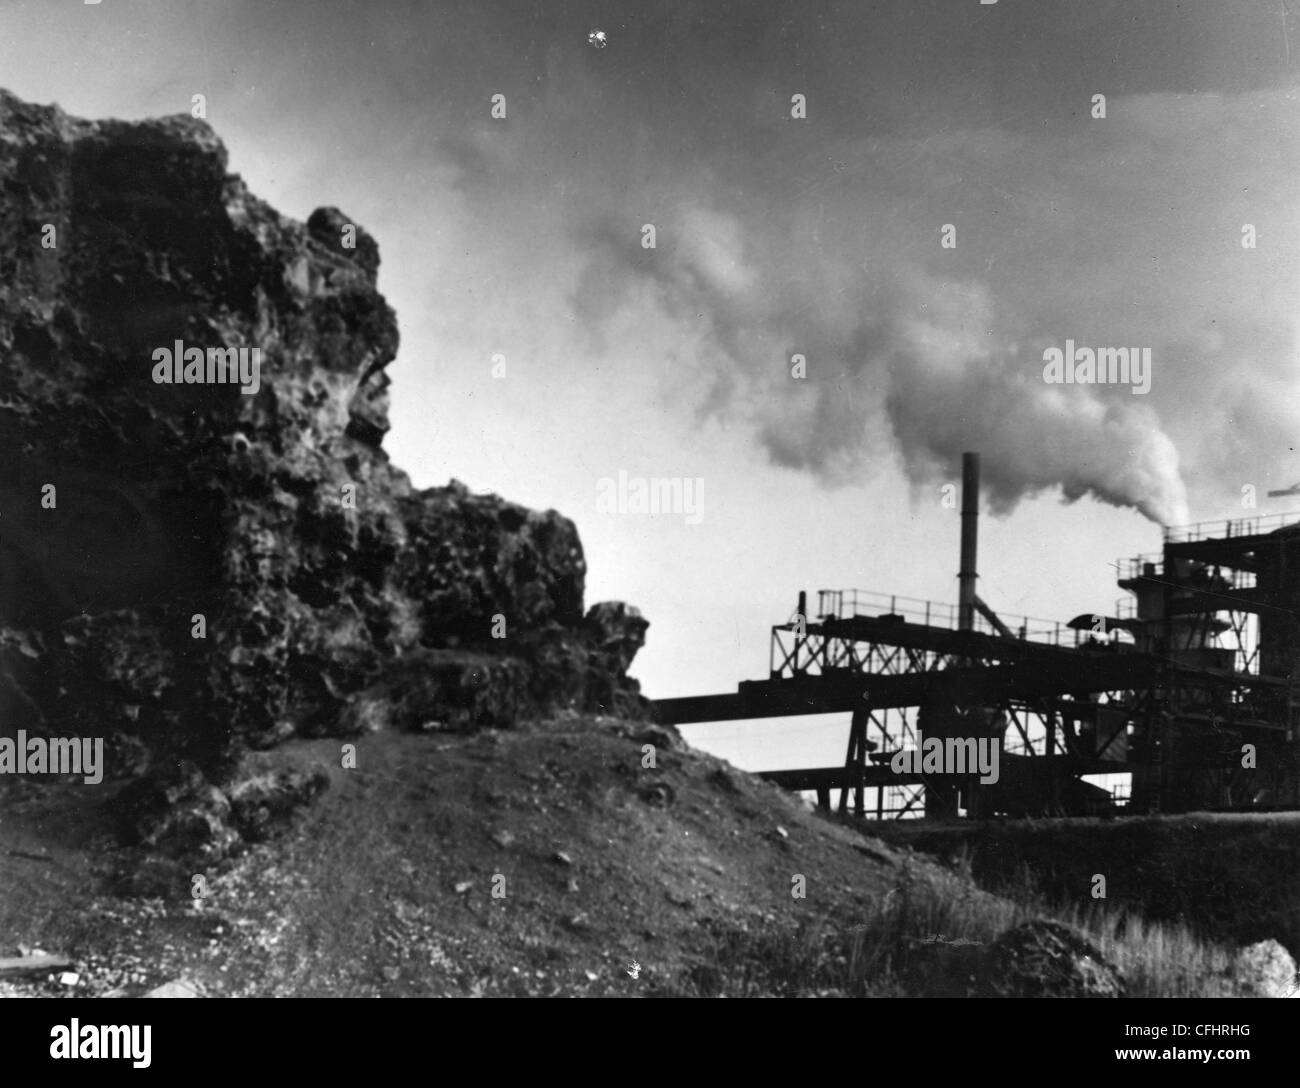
[197, 558]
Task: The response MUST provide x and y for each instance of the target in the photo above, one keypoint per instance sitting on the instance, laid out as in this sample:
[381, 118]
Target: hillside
[605, 862]
[383, 887]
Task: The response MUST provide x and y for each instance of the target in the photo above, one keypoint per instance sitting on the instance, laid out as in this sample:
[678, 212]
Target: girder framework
[1188, 690]
[1059, 710]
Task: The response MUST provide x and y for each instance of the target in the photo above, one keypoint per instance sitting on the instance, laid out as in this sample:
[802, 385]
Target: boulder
[180, 816]
[618, 631]
[1046, 959]
[1264, 969]
[261, 804]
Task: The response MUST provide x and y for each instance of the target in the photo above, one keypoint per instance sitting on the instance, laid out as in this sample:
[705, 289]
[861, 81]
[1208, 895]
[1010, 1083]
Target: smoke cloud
[1120, 236]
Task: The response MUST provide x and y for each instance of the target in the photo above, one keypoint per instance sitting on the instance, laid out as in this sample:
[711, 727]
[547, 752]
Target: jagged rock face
[272, 514]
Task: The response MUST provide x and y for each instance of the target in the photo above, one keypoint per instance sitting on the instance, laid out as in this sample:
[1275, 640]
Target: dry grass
[927, 938]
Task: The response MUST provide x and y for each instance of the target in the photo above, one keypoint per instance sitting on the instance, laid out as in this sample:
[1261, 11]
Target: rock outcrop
[191, 565]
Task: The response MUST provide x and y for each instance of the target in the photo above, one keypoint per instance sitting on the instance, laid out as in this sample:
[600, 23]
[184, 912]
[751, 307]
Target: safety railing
[1185, 573]
[1137, 566]
[844, 604]
[1226, 530]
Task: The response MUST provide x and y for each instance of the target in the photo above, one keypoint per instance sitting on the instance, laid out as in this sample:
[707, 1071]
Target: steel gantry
[1188, 691]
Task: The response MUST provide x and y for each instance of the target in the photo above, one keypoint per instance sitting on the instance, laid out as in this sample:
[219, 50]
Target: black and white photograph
[673, 499]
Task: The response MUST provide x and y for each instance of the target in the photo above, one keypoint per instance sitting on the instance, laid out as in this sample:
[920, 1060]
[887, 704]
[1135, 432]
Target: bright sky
[778, 235]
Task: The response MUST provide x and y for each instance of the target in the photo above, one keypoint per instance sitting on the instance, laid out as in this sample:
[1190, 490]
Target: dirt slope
[604, 861]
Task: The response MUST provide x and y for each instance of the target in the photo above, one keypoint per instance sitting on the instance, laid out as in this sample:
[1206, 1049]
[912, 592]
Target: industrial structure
[1184, 697]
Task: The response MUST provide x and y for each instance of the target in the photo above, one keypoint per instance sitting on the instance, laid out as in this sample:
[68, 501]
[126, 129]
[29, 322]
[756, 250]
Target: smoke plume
[1114, 236]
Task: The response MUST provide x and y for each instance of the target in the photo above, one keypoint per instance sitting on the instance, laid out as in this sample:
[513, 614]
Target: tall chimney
[970, 514]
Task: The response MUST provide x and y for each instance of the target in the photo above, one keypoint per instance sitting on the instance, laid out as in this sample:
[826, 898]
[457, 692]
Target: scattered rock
[464, 886]
[504, 839]
[185, 817]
